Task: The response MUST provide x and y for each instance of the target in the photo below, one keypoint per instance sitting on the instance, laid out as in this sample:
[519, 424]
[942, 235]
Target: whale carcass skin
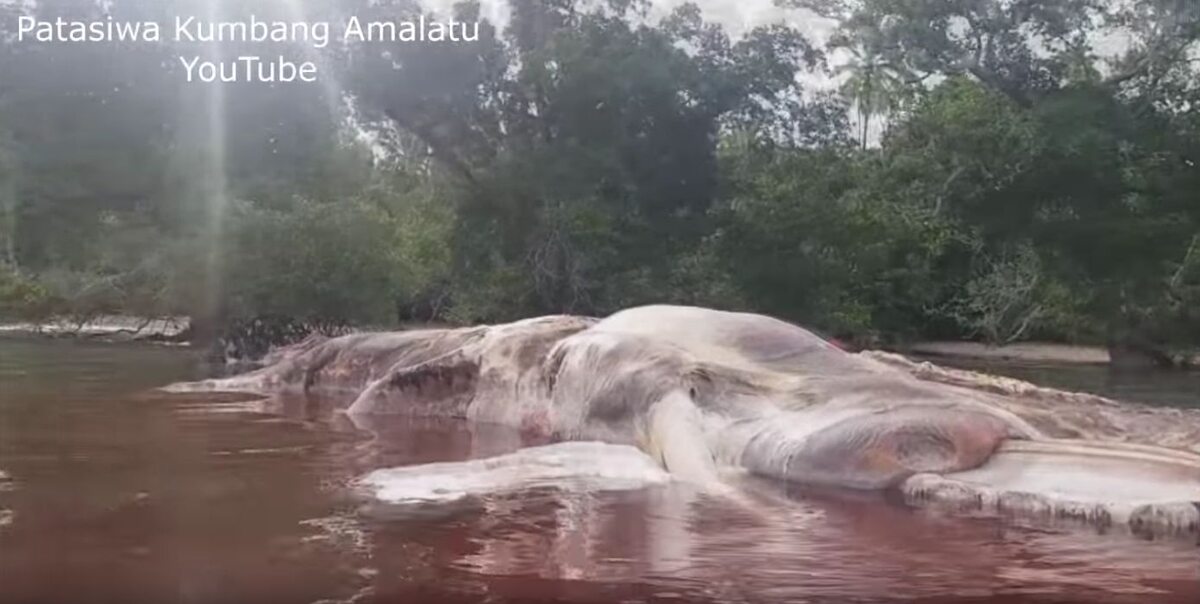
[704, 391]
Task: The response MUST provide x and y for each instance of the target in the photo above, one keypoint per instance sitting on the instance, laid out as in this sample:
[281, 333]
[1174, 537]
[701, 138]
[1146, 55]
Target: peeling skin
[701, 391]
[1100, 483]
[6, 516]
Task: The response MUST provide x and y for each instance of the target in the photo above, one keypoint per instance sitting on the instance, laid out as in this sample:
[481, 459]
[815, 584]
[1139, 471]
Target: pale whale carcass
[703, 391]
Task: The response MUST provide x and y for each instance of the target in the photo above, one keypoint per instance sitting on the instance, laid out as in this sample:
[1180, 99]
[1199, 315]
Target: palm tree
[874, 85]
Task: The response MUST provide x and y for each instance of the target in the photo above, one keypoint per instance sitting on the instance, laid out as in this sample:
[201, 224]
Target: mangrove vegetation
[997, 170]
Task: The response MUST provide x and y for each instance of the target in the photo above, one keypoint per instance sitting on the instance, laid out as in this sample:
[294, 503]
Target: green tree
[583, 143]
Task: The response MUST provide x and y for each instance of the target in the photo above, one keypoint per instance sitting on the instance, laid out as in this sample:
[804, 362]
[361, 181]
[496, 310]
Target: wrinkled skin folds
[704, 392]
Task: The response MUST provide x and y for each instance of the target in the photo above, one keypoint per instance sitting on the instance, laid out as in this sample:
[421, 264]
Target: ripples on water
[120, 496]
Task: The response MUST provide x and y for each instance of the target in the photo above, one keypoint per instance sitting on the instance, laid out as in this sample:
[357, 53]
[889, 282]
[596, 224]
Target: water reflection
[770, 544]
[121, 496]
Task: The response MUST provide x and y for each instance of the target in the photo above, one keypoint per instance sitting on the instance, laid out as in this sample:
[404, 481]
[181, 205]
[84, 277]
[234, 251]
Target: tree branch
[441, 151]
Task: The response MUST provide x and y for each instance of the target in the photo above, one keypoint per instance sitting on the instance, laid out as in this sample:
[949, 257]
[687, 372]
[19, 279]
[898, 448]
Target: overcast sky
[736, 15]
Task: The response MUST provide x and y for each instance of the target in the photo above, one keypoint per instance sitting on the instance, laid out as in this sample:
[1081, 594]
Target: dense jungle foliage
[985, 169]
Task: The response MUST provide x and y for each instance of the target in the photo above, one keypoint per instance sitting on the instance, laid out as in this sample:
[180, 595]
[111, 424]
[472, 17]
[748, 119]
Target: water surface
[1155, 386]
[120, 495]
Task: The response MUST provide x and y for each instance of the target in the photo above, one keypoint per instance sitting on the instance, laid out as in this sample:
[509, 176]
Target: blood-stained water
[109, 493]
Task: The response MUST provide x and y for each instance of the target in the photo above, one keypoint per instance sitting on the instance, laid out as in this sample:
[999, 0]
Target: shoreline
[166, 330]
[1030, 352]
[105, 328]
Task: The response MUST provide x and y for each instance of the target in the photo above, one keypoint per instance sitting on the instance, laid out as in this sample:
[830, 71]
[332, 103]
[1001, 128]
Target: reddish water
[119, 496]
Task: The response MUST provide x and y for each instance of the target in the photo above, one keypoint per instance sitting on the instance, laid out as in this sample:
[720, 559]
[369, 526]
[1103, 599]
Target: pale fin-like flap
[575, 466]
[677, 439]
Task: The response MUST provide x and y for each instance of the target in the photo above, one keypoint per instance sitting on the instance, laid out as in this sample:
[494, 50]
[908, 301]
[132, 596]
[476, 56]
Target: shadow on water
[121, 496]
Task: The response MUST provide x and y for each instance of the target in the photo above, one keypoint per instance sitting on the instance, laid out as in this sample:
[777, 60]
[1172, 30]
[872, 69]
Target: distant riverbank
[120, 328]
[124, 328]
[1039, 352]
[1027, 352]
